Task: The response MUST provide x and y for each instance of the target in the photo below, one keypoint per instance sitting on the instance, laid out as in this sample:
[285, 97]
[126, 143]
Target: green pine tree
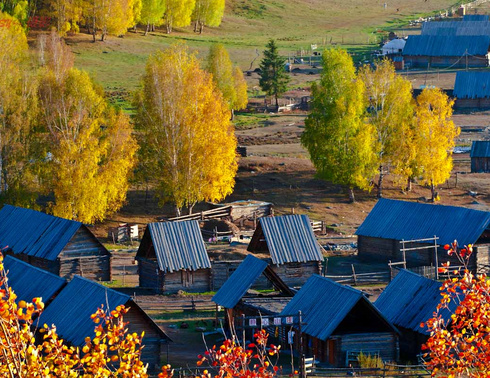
[273, 78]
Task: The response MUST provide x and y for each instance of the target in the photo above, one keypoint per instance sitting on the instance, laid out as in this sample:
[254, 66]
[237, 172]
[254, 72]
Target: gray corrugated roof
[290, 238]
[472, 84]
[443, 45]
[29, 282]
[392, 219]
[324, 304]
[179, 245]
[480, 148]
[239, 282]
[446, 28]
[34, 233]
[409, 300]
[70, 311]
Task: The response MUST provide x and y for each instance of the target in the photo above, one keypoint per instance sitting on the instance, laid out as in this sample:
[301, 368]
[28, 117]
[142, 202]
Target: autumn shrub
[367, 361]
[459, 342]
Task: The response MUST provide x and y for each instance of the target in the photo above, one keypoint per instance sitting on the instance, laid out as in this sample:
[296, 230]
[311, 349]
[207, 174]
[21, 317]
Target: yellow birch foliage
[435, 136]
[186, 132]
[241, 100]
[18, 106]
[208, 13]
[178, 13]
[90, 146]
[111, 352]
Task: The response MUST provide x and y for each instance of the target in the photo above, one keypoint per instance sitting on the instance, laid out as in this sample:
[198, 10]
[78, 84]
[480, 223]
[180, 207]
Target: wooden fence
[185, 304]
[218, 213]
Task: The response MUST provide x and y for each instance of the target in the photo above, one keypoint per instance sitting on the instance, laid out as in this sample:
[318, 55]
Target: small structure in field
[340, 322]
[392, 221]
[457, 51]
[172, 257]
[480, 156]
[472, 90]
[408, 301]
[29, 282]
[393, 47]
[60, 246]
[70, 312]
[292, 245]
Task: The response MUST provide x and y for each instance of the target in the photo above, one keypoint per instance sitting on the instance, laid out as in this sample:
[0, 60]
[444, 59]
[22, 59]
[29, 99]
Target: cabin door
[331, 352]
[187, 278]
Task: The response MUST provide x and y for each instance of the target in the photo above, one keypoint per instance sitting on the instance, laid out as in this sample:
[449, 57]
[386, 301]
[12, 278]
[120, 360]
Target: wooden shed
[391, 221]
[71, 309]
[292, 245]
[340, 322]
[172, 257]
[480, 156]
[60, 246]
[408, 301]
[472, 90]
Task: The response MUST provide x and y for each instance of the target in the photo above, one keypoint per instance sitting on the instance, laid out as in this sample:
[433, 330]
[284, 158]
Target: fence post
[437, 262]
[354, 275]
[193, 304]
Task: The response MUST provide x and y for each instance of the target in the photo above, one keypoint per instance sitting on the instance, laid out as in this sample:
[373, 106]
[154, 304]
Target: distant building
[394, 47]
[60, 246]
[408, 301]
[480, 156]
[71, 309]
[341, 322]
[391, 221]
[292, 245]
[472, 90]
[172, 256]
[456, 51]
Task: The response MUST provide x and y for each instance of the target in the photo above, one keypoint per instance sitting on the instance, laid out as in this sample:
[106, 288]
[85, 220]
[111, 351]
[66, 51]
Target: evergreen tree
[273, 78]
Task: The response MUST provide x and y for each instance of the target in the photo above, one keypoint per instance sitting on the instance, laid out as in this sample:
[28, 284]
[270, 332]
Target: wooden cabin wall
[296, 274]
[83, 243]
[96, 268]
[370, 248]
[480, 164]
[50, 266]
[384, 343]
[154, 343]
[150, 275]
[192, 281]
[222, 270]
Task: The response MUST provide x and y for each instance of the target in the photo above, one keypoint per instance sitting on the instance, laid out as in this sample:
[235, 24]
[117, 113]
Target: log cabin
[472, 91]
[390, 222]
[408, 301]
[70, 311]
[480, 155]
[172, 256]
[340, 322]
[292, 245]
[60, 246]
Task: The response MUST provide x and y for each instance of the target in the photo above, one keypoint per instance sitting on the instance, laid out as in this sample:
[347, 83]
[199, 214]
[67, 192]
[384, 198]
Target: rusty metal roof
[290, 238]
[34, 233]
[179, 245]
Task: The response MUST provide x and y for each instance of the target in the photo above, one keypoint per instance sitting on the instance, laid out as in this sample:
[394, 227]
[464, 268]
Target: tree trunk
[94, 34]
[409, 184]
[432, 191]
[201, 27]
[178, 211]
[147, 28]
[277, 102]
[195, 27]
[352, 198]
[152, 28]
[232, 114]
[102, 36]
[380, 182]
[169, 28]
[191, 207]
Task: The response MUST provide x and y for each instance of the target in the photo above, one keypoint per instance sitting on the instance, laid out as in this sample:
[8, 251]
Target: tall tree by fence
[273, 76]
[340, 144]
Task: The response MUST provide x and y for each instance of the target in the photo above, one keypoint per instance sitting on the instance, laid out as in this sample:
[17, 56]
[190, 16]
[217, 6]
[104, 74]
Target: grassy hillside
[118, 63]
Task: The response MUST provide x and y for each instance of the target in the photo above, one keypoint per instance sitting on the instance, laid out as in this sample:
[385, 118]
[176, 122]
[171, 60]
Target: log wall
[480, 165]
[296, 274]
[383, 343]
[370, 248]
[222, 270]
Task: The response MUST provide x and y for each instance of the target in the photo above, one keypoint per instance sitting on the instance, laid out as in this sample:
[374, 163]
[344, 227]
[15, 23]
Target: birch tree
[390, 111]
[208, 13]
[340, 144]
[186, 130]
[435, 137]
[178, 13]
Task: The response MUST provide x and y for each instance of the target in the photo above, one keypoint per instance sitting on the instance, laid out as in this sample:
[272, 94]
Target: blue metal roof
[290, 238]
[239, 282]
[411, 299]
[446, 45]
[34, 233]
[446, 28]
[29, 282]
[480, 148]
[402, 220]
[324, 304]
[476, 17]
[70, 311]
[179, 245]
[472, 84]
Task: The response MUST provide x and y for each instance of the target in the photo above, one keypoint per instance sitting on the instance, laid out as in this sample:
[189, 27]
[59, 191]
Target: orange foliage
[459, 345]
[111, 353]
